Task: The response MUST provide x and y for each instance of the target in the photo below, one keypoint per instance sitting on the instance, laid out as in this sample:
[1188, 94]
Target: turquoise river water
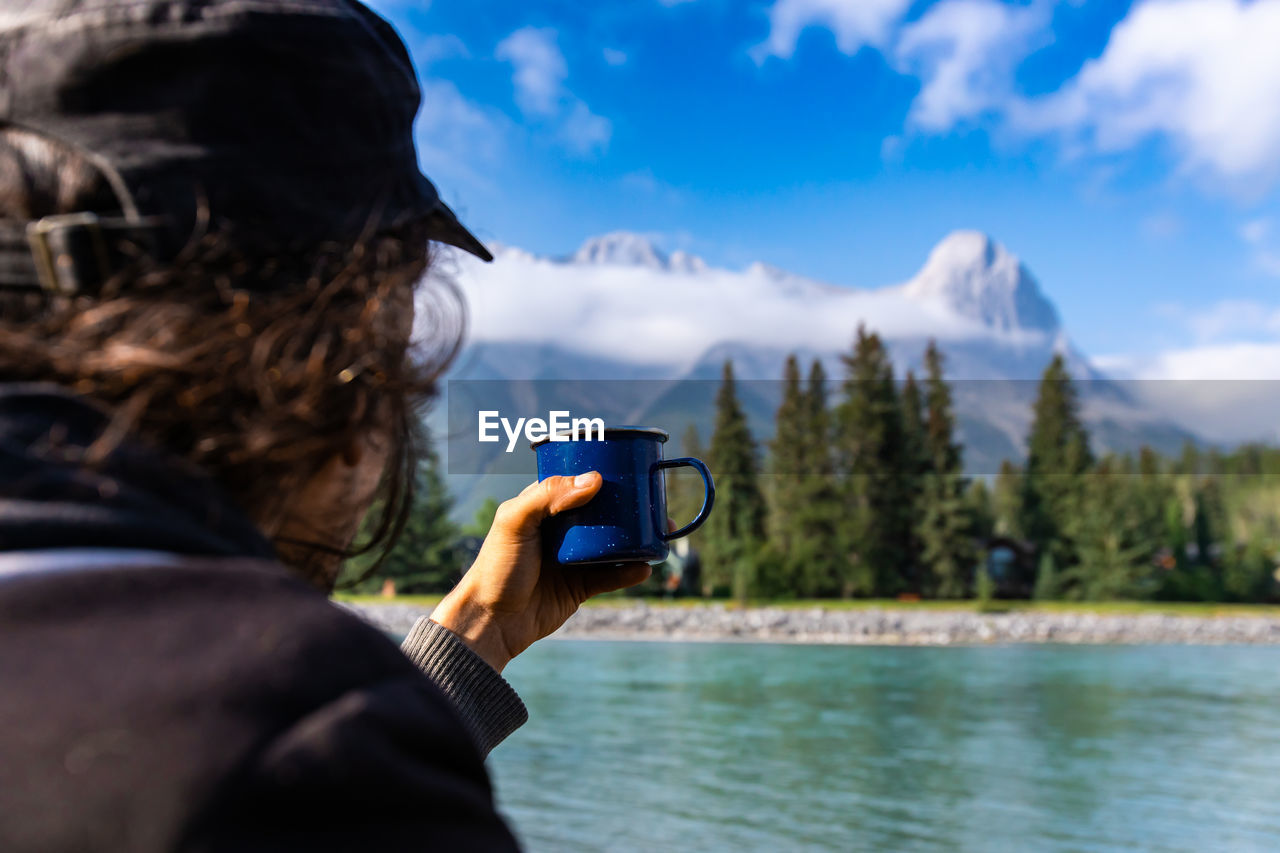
[737, 747]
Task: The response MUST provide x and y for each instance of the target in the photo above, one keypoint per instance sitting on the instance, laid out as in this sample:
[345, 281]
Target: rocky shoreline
[720, 623]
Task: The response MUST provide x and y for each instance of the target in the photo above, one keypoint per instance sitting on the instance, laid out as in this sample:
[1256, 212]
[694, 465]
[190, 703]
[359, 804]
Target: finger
[596, 580]
[524, 512]
[671, 526]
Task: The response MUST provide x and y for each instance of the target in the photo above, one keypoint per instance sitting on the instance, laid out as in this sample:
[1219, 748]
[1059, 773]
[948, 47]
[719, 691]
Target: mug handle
[709, 496]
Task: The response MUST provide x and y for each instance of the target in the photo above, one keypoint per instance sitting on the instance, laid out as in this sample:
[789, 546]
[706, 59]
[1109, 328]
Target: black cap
[289, 119]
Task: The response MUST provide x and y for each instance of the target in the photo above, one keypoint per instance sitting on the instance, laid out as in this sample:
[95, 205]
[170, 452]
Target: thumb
[523, 513]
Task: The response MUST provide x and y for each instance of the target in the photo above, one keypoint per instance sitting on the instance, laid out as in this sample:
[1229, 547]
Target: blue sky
[1128, 153]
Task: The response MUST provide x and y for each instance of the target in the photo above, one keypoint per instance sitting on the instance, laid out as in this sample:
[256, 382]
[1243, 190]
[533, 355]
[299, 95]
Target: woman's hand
[509, 598]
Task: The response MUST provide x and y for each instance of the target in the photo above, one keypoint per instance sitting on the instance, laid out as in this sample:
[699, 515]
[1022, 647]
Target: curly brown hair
[257, 368]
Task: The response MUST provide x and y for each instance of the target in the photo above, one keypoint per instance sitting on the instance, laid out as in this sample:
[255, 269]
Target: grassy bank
[1172, 608]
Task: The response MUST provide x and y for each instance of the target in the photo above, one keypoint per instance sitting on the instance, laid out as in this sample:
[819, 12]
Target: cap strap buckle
[69, 251]
[76, 252]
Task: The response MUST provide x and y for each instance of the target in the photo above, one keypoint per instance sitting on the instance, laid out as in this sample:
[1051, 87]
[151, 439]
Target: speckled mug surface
[627, 519]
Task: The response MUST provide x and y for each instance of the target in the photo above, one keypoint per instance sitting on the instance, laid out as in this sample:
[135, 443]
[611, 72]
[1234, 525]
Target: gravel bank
[879, 627]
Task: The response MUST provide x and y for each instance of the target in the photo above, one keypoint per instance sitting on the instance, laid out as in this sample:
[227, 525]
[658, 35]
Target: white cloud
[1224, 392]
[583, 131]
[1255, 231]
[540, 69]
[1161, 225]
[1224, 323]
[457, 139]
[1216, 362]
[891, 148]
[437, 47]
[643, 183]
[964, 52]
[615, 57]
[1234, 319]
[1268, 260]
[1203, 75]
[855, 24]
[649, 316]
[1223, 385]
[539, 76]
[1266, 250]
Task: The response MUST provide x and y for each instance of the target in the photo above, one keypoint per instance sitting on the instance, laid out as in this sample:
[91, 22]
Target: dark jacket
[165, 685]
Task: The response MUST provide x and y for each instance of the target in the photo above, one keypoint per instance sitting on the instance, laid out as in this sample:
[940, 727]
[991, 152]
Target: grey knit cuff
[487, 703]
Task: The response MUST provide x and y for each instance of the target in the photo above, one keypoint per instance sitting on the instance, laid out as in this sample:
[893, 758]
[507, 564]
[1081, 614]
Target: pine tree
[1058, 461]
[1114, 556]
[818, 421]
[913, 469]
[1006, 501]
[985, 589]
[1211, 525]
[1152, 489]
[426, 557]
[482, 520]
[1210, 535]
[691, 442]
[915, 459]
[1145, 491]
[1190, 462]
[868, 447]
[736, 530]
[816, 556]
[1176, 530]
[782, 573]
[944, 525]
[940, 424]
[788, 459]
[684, 486]
[1248, 572]
[978, 504]
[1046, 588]
[1178, 580]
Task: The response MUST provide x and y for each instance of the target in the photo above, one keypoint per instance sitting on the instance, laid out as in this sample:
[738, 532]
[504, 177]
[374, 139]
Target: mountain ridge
[625, 331]
[620, 288]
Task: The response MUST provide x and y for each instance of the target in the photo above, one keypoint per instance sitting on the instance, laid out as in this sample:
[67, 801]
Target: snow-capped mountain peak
[628, 249]
[978, 279]
[682, 261]
[620, 248]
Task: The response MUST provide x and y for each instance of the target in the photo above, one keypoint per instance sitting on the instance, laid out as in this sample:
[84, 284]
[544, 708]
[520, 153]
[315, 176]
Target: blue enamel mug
[627, 519]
